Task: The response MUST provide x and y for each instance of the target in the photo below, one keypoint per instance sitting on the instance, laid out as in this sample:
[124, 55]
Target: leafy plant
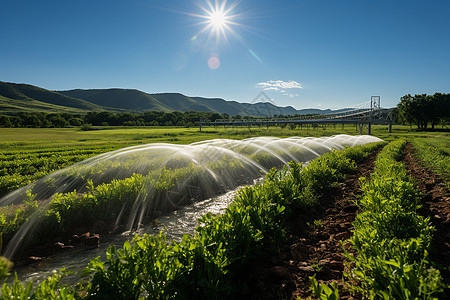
[206, 264]
[323, 291]
[392, 240]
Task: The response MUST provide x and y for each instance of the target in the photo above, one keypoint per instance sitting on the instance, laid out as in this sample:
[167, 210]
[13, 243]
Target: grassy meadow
[24, 139]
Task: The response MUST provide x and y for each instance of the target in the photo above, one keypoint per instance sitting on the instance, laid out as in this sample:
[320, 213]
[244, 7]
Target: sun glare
[218, 19]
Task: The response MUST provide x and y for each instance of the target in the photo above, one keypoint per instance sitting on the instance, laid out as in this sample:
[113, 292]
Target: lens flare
[218, 19]
[219, 23]
[214, 62]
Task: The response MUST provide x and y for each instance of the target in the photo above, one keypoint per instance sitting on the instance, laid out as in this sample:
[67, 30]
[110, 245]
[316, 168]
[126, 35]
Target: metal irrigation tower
[374, 108]
[374, 103]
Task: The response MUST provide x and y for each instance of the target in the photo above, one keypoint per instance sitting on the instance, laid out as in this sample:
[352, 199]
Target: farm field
[225, 149]
[28, 154]
[23, 139]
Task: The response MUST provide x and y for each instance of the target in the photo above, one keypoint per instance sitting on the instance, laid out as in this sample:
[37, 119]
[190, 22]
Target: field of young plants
[389, 255]
[28, 154]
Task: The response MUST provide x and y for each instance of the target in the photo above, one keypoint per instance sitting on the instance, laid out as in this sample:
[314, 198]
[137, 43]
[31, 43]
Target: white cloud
[271, 88]
[279, 85]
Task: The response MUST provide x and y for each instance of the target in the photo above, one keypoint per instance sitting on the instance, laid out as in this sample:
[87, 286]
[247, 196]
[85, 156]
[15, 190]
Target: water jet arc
[145, 181]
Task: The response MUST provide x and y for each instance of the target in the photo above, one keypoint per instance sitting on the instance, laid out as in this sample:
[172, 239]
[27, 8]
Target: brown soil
[314, 247]
[436, 205]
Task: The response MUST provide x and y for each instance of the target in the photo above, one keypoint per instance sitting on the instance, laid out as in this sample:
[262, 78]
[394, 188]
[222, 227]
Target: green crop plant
[391, 239]
[206, 264]
[21, 168]
[5, 266]
[49, 288]
[318, 223]
[322, 291]
[434, 153]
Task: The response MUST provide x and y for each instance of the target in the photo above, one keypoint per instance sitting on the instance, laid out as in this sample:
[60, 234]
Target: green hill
[128, 99]
[180, 102]
[24, 97]
[255, 109]
[221, 105]
[136, 100]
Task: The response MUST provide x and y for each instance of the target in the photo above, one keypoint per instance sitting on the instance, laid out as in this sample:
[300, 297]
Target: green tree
[58, 121]
[214, 117]
[423, 109]
[441, 108]
[5, 121]
[413, 110]
[31, 119]
[76, 121]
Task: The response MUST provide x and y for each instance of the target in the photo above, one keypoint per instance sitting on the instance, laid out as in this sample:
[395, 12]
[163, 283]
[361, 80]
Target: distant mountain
[136, 100]
[24, 97]
[180, 102]
[255, 109]
[139, 101]
[119, 98]
[218, 104]
[259, 109]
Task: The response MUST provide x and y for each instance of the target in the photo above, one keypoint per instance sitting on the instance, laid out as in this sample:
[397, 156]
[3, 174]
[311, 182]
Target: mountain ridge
[26, 97]
[180, 102]
[15, 97]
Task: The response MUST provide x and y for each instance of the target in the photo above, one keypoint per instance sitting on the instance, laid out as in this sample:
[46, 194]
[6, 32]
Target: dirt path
[436, 205]
[314, 248]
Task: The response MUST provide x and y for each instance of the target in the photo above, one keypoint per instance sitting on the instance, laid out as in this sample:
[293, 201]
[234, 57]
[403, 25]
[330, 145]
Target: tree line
[423, 110]
[148, 118]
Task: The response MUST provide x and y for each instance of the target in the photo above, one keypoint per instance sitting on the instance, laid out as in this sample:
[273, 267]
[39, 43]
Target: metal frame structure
[367, 113]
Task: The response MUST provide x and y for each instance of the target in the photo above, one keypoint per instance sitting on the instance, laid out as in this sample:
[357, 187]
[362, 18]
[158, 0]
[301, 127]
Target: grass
[37, 141]
[434, 153]
[22, 139]
[30, 105]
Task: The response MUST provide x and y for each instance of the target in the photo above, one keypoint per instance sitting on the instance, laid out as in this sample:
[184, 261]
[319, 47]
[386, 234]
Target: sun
[219, 24]
[218, 20]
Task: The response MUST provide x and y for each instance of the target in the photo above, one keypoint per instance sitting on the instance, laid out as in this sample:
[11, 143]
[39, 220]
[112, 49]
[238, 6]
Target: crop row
[113, 200]
[391, 239]
[435, 154]
[106, 201]
[118, 184]
[18, 169]
[207, 264]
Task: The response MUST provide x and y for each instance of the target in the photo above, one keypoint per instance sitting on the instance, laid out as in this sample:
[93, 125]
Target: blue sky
[304, 53]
